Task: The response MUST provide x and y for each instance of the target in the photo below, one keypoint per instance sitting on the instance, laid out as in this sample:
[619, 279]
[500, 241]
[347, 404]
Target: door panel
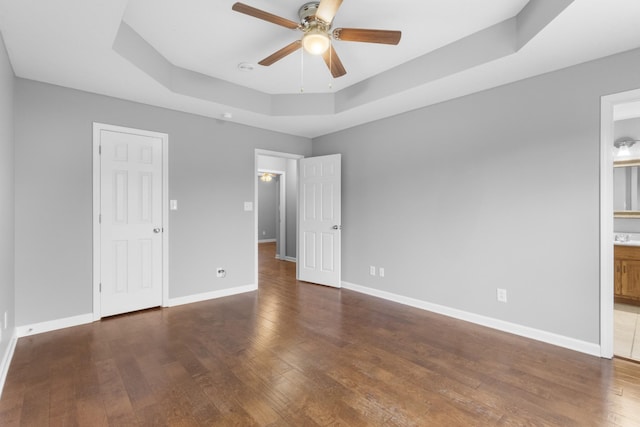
[131, 222]
[319, 232]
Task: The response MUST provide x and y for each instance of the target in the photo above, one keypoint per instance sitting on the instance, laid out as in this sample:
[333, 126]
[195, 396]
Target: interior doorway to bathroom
[626, 226]
[619, 226]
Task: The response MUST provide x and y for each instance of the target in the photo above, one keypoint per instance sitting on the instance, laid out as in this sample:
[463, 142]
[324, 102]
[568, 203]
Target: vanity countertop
[626, 239]
[629, 243]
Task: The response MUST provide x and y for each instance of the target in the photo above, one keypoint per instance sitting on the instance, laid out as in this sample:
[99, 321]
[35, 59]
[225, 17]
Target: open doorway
[271, 209]
[284, 166]
[614, 108]
[626, 227]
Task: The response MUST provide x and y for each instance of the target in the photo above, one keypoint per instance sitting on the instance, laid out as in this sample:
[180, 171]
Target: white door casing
[319, 220]
[129, 243]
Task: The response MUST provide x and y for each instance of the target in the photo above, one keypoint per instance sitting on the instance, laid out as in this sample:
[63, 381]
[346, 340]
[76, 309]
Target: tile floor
[626, 332]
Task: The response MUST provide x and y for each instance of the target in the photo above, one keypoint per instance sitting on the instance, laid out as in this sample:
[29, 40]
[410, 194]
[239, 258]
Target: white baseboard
[6, 360]
[267, 241]
[290, 259]
[501, 325]
[52, 325]
[210, 295]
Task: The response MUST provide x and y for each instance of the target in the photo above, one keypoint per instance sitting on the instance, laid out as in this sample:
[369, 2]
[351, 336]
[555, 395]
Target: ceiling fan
[315, 23]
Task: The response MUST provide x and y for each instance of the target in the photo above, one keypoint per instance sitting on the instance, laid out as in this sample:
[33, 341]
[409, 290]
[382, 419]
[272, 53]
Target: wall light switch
[381, 271]
[372, 270]
[501, 295]
[173, 205]
[248, 206]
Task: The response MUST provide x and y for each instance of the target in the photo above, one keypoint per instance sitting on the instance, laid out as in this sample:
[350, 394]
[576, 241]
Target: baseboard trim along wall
[52, 325]
[267, 241]
[501, 325]
[6, 360]
[210, 295]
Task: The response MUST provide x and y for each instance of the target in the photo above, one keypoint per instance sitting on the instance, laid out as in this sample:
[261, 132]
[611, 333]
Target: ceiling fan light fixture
[315, 41]
[266, 177]
[623, 145]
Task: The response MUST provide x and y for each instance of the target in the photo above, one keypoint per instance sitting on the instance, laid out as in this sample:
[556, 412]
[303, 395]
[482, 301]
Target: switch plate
[501, 295]
[173, 205]
[372, 270]
[248, 206]
[381, 271]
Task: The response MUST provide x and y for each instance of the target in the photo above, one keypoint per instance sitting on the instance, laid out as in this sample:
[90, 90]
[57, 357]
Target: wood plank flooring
[296, 354]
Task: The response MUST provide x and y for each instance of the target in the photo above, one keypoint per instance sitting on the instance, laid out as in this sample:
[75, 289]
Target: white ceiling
[71, 43]
[208, 37]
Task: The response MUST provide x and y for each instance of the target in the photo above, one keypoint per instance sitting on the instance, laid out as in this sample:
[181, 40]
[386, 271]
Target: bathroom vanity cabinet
[627, 274]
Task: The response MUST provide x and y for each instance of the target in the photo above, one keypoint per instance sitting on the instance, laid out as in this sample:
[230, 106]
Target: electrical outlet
[501, 295]
[372, 270]
[221, 272]
[381, 271]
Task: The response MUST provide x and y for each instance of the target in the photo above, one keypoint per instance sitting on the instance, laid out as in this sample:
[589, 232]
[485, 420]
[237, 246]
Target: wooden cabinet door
[630, 283]
[617, 278]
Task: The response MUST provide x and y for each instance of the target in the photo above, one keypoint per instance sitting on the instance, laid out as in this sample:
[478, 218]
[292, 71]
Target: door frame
[260, 152]
[97, 128]
[607, 106]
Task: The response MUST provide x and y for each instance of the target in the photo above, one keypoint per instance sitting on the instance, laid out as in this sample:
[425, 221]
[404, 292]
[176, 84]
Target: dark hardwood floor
[296, 354]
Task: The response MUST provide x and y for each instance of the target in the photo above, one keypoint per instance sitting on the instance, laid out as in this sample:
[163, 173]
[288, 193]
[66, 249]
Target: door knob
[157, 230]
[337, 227]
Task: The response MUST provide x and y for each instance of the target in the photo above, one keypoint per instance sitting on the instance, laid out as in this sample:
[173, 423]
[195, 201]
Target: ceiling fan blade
[327, 10]
[266, 16]
[288, 49]
[333, 62]
[368, 36]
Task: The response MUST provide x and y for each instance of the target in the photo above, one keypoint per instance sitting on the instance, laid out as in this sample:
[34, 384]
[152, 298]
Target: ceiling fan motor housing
[307, 12]
[316, 39]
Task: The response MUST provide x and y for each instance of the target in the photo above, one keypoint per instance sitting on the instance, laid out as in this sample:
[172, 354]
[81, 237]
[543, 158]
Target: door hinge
[99, 149]
[100, 287]
[99, 218]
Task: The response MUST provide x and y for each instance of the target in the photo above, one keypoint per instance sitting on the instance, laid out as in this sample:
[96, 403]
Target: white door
[131, 222]
[319, 220]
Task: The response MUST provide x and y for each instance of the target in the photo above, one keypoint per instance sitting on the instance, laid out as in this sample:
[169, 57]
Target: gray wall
[7, 299]
[630, 128]
[499, 189]
[267, 208]
[211, 174]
